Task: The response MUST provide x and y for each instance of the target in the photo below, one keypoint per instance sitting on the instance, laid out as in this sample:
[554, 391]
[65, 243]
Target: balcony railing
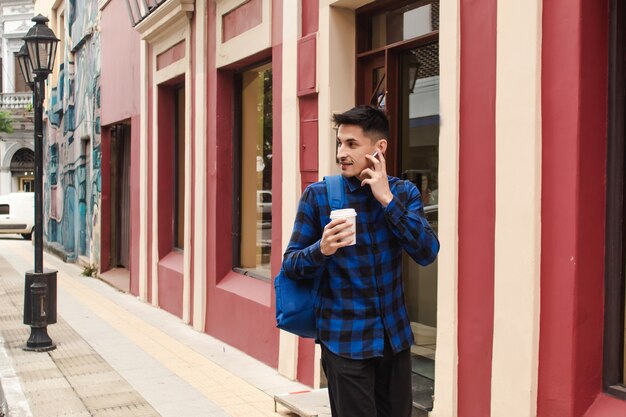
[15, 100]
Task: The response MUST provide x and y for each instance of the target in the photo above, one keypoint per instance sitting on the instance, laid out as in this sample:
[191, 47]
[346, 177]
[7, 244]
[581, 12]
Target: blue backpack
[295, 299]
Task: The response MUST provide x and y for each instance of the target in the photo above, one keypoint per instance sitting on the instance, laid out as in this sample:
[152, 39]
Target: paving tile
[39, 374]
[96, 389]
[45, 384]
[111, 400]
[140, 410]
[56, 407]
[194, 407]
[93, 379]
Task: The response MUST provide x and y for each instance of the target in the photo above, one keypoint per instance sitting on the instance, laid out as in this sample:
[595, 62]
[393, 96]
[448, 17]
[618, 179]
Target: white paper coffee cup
[350, 216]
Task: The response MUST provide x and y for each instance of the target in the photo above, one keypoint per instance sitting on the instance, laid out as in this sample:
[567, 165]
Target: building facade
[72, 155]
[17, 163]
[215, 115]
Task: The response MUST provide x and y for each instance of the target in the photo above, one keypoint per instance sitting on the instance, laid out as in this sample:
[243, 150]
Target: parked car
[17, 214]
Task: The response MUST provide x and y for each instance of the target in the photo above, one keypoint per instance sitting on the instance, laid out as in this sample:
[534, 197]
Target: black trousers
[377, 387]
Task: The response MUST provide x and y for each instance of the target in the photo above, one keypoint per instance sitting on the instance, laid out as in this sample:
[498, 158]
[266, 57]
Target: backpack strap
[336, 192]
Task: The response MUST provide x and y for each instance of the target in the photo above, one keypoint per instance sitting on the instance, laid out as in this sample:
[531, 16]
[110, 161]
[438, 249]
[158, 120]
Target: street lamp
[25, 66]
[36, 61]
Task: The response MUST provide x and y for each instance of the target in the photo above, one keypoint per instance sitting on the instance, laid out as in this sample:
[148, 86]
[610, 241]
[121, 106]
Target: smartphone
[375, 155]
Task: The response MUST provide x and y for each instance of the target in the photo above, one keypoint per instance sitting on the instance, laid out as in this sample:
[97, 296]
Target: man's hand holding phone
[376, 178]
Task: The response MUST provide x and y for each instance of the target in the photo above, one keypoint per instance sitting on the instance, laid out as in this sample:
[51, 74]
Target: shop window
[179, 170]
[253, 172]
[614, 363]
[4, 209]
[398, 71]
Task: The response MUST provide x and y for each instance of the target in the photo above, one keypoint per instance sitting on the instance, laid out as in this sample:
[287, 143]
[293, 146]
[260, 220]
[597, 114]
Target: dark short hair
[373, 121]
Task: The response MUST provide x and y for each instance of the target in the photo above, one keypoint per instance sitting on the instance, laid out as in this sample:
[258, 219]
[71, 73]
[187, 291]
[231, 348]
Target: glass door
[398, 71]
[418, 156]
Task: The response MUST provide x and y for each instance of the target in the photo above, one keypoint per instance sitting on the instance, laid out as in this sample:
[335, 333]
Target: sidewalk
[117, 356]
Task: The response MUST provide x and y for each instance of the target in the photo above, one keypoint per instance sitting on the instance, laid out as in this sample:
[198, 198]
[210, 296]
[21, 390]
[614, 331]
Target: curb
[3, 403]
[13, 403]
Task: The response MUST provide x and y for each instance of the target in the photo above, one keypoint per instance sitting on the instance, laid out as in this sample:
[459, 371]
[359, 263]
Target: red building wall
[477, 206]
[120, 78]
[119, 86]
[574, 113]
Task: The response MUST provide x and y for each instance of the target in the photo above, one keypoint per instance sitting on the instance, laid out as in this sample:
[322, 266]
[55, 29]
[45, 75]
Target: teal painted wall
[72, 183]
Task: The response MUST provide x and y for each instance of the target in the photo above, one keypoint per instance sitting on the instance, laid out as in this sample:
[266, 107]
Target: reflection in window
[411, 21]
[255, 196]
[420, 127]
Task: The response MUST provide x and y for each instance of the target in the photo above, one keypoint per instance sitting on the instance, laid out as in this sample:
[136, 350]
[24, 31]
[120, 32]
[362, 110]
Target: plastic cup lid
[349, 212]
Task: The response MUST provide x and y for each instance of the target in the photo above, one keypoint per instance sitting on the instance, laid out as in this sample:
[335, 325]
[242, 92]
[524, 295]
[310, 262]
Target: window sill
[247, 287]
[252, 273]
[174, 261]
[606, 406]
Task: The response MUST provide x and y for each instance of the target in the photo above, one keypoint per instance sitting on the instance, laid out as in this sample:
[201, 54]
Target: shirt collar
[353, 183]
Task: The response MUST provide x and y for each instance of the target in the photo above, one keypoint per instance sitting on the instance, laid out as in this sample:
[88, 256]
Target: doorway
[23, 171]
[398, 71]
[120, 196]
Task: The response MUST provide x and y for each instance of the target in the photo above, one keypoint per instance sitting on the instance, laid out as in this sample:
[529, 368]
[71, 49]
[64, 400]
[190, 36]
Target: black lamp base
[39, 341]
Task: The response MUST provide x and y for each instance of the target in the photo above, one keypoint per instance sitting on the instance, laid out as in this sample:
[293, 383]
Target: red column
[574, 97]
[476, 206]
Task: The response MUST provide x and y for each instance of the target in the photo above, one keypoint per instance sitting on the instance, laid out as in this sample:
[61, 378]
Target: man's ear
[381, 145]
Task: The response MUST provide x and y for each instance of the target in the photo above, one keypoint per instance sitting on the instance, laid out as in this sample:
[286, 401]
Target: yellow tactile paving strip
[233, 394]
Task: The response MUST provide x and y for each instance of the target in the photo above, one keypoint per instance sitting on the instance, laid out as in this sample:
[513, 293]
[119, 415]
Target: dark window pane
[179, 170]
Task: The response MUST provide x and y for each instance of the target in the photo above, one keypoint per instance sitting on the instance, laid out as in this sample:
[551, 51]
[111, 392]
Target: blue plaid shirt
[361, 296]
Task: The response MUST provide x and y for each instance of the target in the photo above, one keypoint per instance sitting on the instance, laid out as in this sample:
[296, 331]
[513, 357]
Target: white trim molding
[446, 356]
[200, 157]
[143, 174]
[167, 16]
[246, 44]
[288, 343]
[518, 210]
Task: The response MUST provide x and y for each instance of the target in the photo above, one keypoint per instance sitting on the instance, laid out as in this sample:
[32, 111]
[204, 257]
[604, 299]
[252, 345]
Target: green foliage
[89, 271]
[6, 122]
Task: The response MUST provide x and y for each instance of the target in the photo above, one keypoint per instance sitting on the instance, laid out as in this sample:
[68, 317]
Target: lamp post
[36, 59]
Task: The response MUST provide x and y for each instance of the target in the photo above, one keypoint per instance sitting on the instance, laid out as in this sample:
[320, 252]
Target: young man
[362, 321]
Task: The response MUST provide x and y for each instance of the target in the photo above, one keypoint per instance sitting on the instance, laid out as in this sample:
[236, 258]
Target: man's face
[352, 146]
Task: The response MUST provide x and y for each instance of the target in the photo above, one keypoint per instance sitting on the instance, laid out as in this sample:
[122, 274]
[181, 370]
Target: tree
[5, 122]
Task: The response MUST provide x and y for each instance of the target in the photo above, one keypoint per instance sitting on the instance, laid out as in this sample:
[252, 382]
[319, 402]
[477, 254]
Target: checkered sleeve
[405, 217]
[303, 258]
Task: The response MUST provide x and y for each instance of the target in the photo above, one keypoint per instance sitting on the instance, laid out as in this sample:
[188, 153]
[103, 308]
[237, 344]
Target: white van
[17, 214]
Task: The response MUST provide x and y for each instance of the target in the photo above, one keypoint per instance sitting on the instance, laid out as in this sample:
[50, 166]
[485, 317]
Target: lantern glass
[39, 51]
[25, 65]
[41, 44]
